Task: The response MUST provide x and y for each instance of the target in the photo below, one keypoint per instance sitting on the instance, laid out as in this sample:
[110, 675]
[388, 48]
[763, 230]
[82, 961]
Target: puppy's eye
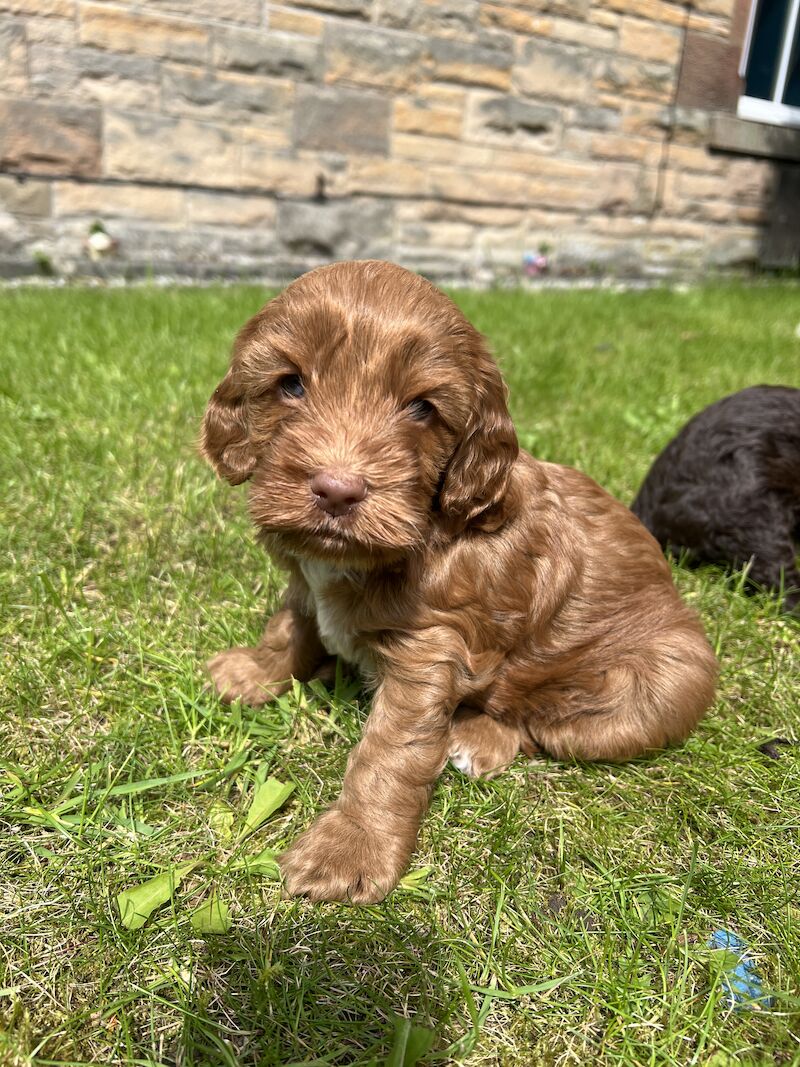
[420, 409]
[292, 385]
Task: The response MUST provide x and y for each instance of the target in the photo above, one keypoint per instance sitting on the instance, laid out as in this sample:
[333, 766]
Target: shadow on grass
[317, 985]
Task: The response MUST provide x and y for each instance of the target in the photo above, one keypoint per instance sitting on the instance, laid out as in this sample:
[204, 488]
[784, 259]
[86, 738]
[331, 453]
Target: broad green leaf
[212, 917]
[410, 1044]
[265, 864]
[267, 798]
[415, 878]
[138, 904]
[220, 818]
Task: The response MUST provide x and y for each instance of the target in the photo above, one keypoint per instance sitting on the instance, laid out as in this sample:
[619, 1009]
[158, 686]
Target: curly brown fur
[495, 603]
[726, 489]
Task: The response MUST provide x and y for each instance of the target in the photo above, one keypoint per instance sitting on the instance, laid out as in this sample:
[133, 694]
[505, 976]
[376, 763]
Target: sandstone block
[581, 32]
[122, 31]
[199, 92]
[596, 118]
[123, 82]
[288, 21]
[45, 8]
[344, 229]
[647, 41]
[266, 167]
[159, 148]
[25, 197]
[507, 18]
[246, 11]
[227, 209]
[352, 8]
[415, 116]
[383, 177]
[278, 54]
[13, 58]
[342, 120]
[43, 138]
[637, 80]
[496, 117]
[488, 63]
[554, 70]
[117, 201]
[379, 58]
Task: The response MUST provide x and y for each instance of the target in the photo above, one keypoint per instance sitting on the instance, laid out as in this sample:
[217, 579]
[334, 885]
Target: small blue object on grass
[740, 979]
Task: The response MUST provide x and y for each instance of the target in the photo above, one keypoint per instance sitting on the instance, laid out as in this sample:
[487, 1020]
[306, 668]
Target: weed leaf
[138, 904]
[267, 798]
[212, 917]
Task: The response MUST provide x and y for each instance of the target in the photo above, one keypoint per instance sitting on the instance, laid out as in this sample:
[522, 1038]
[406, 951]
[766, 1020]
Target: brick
[198, 92]
[332, 120]
[246, 11]
[507, 18]
[43, 138]
[288, 21]
[257, 52]
[553, 70]
[159, 148]
[265, 166]
[345, 230]
[228, 209]
[13, 58]
[379, 58]
[29, 198]
[117, 201]
[709, 77]
[472, 64]
[411, 116]
[646, 41]
[121, 31]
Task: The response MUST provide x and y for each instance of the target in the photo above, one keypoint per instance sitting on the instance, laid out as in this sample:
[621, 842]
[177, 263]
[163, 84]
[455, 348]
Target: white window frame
[771, 111]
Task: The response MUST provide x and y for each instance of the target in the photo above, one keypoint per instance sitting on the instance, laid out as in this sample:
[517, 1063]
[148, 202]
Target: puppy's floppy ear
[476, 479]
[224, 439]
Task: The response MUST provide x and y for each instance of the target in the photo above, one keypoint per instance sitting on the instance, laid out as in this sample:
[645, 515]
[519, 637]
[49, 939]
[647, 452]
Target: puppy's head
[367, 413]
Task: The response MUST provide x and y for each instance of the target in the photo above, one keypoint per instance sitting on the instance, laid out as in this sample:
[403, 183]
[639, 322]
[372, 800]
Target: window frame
[771, 111]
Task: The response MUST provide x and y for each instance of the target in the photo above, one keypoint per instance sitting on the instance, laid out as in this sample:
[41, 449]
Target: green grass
[566, 913]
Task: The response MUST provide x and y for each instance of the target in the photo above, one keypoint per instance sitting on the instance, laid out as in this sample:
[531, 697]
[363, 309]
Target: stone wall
[455, 136]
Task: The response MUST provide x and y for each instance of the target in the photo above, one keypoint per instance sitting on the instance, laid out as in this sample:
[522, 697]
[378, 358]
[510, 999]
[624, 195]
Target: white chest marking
[338, 636]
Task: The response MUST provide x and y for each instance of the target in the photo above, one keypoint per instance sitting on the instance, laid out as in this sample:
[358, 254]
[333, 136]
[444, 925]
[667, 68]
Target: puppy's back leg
[483, 747]
[642, 707]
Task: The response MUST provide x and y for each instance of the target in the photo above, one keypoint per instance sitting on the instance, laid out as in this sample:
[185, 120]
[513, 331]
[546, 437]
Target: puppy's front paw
[238, 675]
[338, 859]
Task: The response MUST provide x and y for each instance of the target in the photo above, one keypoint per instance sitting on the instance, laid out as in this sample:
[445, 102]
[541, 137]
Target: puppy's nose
[337, 493]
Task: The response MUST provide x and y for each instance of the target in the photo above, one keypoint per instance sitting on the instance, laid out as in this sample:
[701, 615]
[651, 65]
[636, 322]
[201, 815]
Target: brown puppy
[495, 603]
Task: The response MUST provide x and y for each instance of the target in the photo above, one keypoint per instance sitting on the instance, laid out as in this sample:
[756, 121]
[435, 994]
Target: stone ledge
[743, 137]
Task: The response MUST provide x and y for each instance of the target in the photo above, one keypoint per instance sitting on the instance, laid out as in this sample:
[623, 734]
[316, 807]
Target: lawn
[557, 915]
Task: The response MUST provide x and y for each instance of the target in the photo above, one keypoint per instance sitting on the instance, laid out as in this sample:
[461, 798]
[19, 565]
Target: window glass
[792, 94]
[765, 48]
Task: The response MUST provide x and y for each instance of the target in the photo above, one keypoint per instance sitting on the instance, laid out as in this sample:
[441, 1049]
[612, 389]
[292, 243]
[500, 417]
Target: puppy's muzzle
[337, 493]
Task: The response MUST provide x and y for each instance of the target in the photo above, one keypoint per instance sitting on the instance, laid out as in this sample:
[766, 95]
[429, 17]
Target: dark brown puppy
[726, 489]
[495, 603]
